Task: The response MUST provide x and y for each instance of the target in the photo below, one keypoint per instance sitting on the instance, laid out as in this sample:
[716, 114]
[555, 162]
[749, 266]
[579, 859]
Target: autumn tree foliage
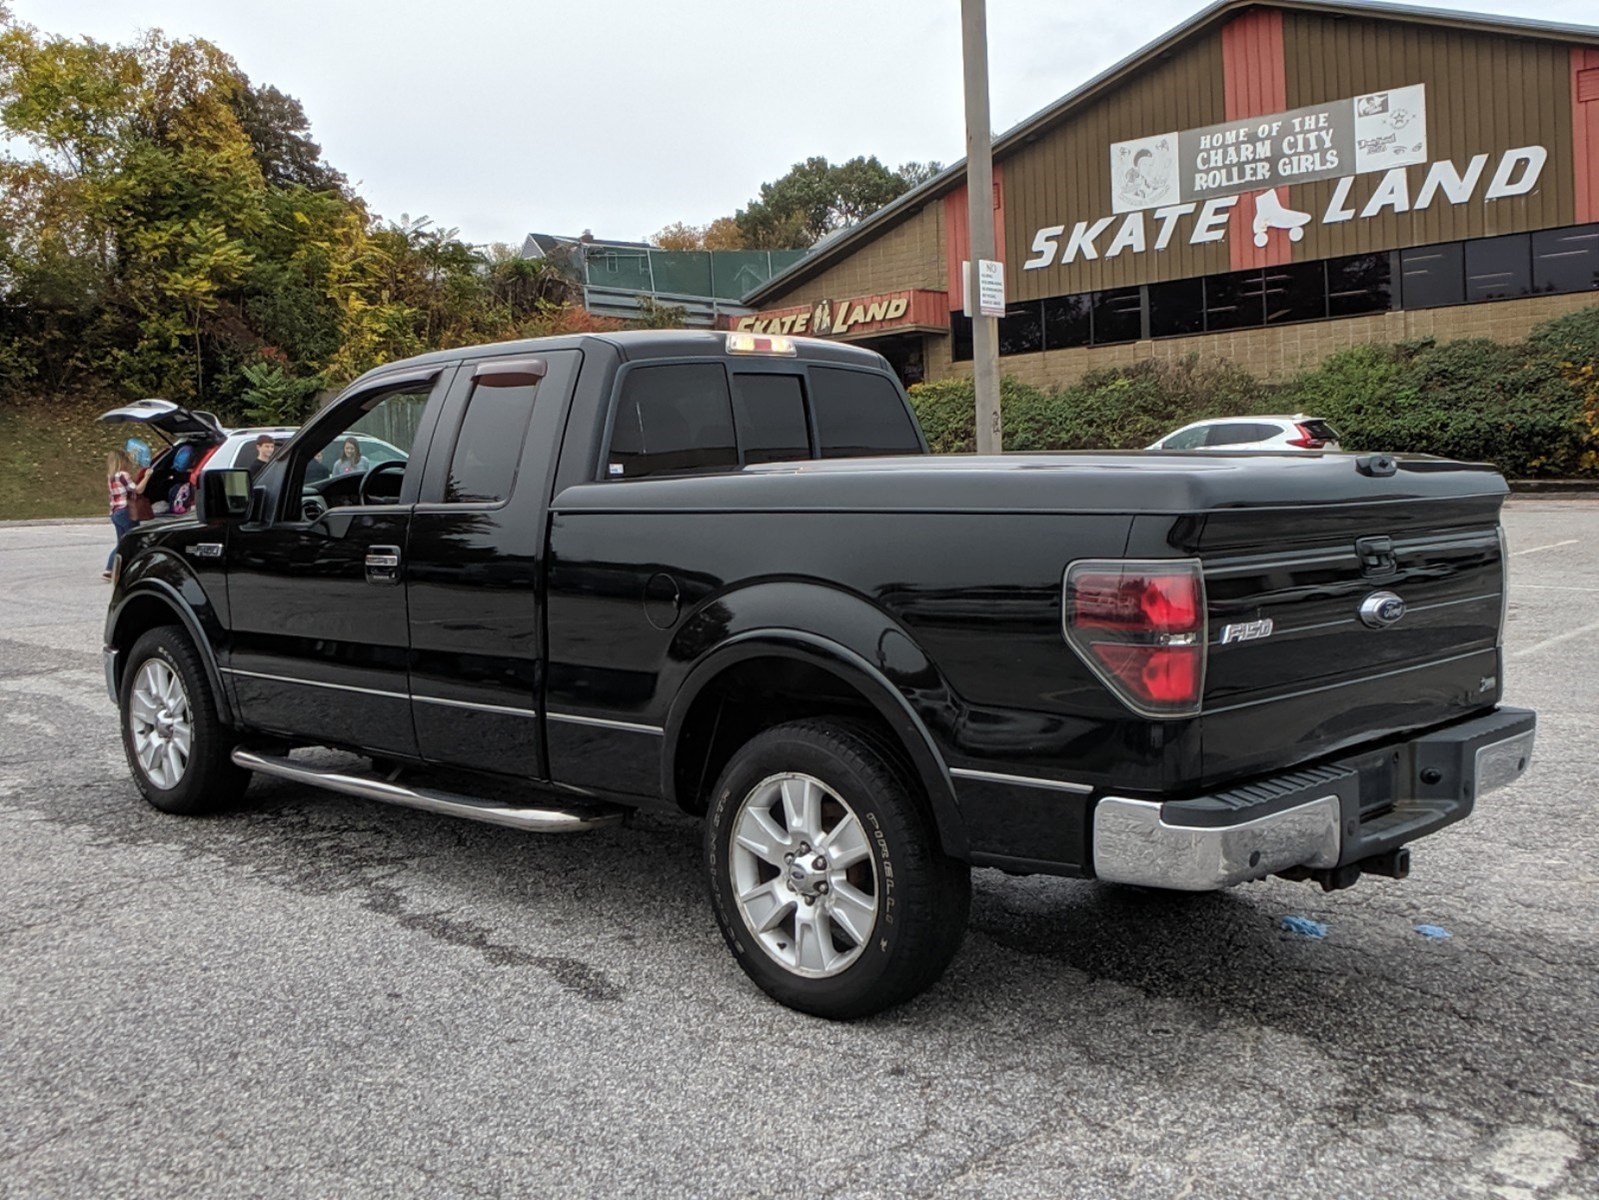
[168, 227]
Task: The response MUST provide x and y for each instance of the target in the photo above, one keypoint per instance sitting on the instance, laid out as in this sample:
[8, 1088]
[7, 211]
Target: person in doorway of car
[125, 494]
[351, 460]
[265, 447]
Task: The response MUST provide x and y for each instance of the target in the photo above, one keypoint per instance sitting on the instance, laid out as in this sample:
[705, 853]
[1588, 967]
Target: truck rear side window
[672, 418]
[770, 413]
[489, 446]
[858, 413]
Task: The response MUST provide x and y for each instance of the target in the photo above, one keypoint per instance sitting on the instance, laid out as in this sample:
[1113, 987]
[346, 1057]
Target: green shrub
[1473, 399]
[1530, 408]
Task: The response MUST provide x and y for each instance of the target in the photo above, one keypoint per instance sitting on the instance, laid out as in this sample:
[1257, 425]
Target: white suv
[1295, 433]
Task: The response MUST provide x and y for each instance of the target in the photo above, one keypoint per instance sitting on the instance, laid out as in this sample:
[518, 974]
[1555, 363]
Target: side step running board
[560, 819]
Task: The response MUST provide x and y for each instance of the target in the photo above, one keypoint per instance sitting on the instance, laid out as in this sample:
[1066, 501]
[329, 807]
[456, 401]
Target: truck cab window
[362, 452]
[858, 413]
[672, 419]
[769, 411]
[489, 445]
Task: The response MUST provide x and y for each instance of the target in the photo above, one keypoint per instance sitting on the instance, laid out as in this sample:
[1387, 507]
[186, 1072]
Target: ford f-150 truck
[721, 574]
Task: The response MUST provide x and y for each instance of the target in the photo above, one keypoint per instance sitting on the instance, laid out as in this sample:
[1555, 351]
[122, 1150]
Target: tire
[879, 919]
[165, 693]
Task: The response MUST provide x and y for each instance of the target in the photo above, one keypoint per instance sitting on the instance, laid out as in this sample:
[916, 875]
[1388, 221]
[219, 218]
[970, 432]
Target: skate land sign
[1197, 176]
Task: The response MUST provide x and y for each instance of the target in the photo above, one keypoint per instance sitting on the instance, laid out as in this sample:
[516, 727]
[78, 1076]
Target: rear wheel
[826, 875]
[176, 745]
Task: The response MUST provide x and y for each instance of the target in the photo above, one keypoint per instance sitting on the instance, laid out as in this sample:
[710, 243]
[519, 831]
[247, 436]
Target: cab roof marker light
[761, 343]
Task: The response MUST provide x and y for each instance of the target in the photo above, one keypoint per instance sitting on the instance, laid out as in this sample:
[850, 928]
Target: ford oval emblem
[1381, 609]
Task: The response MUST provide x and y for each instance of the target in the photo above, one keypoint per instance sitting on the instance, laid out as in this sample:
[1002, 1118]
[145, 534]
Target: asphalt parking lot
[321, 996]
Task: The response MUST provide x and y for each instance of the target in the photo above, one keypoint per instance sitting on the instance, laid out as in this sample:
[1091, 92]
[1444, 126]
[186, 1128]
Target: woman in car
[351, 460]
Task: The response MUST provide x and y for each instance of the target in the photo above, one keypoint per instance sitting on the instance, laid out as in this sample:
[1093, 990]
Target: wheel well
[750, 696]
[143, 613]
[140, 615]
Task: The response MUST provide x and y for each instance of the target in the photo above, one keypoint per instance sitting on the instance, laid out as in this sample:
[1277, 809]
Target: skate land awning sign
[1187, 182]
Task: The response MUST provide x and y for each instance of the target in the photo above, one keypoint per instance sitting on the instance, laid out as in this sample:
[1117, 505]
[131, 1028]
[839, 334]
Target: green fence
[721, 274]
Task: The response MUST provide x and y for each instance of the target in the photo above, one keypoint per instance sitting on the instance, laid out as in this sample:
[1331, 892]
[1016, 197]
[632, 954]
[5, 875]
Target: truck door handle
[383, 564]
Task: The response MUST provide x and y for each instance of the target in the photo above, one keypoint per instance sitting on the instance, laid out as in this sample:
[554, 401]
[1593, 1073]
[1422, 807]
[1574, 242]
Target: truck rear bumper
[1332, 815]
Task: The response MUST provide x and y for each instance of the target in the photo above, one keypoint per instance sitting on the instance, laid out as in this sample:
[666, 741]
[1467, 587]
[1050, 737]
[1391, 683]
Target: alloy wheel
[161, 722]
[803, 875]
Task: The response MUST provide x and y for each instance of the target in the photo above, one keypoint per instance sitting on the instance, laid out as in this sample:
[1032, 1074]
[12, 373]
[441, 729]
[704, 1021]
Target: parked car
[1252, 433]
[720, 574]
[197, 442]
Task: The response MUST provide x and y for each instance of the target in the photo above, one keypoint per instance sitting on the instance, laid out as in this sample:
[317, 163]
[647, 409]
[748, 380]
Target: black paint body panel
[562, 636]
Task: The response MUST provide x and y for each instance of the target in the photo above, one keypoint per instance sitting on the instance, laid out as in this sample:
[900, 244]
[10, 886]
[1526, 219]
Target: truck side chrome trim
[1132, 844]
[1053, 785]
[547, 819]
[316, 683]
[476, 706]
[606, 723]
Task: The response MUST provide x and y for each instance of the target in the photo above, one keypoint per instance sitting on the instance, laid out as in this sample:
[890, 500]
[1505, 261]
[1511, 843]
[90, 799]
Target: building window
[1566, 260]
[1235, 301]
[1066, 322]
[1296, 292]
[1499, 268]
[1360, 283]
[1021, 329]
[1432, 276]
[1176, 308]
[1118, 315]
[960, 336]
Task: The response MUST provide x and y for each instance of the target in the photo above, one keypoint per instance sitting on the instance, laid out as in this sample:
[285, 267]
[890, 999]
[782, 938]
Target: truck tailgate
[1309, 652]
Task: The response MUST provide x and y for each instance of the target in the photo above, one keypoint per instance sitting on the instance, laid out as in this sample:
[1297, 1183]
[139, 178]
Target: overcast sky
[624, 115]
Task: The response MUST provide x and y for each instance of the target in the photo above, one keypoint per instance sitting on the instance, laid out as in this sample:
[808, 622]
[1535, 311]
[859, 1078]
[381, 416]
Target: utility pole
[980, 220]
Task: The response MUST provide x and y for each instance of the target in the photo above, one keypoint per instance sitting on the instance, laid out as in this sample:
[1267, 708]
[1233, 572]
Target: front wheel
[177, 746]
[826, 874]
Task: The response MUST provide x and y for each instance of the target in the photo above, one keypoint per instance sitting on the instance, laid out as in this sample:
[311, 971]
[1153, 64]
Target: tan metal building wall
[911, 254]
[1485, 94]
[1064, 176]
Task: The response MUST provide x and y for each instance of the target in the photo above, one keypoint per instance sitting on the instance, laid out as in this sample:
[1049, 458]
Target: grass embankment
[52, 458]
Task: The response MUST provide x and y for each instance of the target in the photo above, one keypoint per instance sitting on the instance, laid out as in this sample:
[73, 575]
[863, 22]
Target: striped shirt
[121, 488]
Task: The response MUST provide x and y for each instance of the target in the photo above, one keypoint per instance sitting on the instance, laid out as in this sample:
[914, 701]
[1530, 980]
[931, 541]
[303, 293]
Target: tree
[279, 133]
[169, 228]
[721, 234]
[680, 236]
[816, 197]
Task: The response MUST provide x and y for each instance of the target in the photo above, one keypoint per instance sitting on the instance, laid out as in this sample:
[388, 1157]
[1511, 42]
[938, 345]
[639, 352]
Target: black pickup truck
[721, 574]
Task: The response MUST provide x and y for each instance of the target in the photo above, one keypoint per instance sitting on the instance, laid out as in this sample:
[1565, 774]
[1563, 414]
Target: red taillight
[1306, 440]
[1123, 600]
[1141, 627]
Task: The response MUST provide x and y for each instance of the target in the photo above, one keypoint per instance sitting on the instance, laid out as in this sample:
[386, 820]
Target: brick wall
[910, 255]
[1274, 354]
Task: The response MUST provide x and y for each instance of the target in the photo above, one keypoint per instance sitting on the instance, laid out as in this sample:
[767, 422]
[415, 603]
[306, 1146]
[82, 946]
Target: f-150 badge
[1247, 631]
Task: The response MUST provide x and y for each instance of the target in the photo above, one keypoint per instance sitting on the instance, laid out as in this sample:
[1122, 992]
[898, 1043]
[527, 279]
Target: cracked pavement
[323, 996]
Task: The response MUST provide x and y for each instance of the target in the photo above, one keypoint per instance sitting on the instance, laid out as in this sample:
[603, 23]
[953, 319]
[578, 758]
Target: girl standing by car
[351, 460]
[126, 495]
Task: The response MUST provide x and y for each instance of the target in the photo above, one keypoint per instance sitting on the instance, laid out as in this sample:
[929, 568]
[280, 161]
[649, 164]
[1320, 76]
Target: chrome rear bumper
[1318, 818]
